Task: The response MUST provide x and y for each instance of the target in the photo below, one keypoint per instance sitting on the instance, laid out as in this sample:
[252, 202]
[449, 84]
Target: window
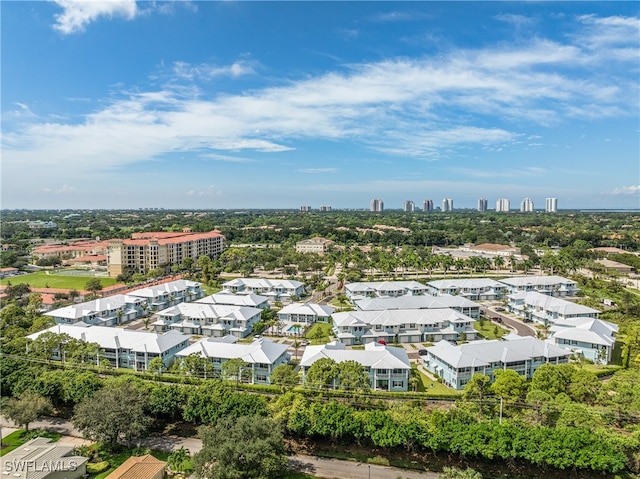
[397, 384]
[398, 371]
[382, 371]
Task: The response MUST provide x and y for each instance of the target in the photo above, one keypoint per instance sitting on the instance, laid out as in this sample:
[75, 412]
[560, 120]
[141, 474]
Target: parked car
[499, 308]
[497, 319]
[422, 352]
[305, 342]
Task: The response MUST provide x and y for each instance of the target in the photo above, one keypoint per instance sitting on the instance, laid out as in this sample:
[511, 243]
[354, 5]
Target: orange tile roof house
[142, 467]
[74, 249]
[147, 251]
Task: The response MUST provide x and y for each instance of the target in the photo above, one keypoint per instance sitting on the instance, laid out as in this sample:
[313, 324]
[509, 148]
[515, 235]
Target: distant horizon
[228, 105]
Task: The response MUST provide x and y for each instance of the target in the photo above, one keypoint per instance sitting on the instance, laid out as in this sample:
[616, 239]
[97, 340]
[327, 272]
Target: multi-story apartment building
[388, 367]
[262, 356]
[274, 289]
[526, 206]
[305, 209]
[372, 289]
[148, 251]
[408, 206]
[551, 205]
[456, 365]
[475, 289]
[75, 249]
[313, 245]
[543, 309]
[325, 208]
[447, 204]
[482, 205]
[593, 339]
[402, 326]
[423, 301]
[252, 300]
[503, 205]
[123, 348]
[427, 206]
[549, 285]
[376, 204]
[208, 319]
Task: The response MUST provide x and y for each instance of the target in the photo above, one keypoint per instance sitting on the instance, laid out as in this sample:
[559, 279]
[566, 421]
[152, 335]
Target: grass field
[428, 385]
[319, 337]
[489, 330]
[43, 280]
[17, 439]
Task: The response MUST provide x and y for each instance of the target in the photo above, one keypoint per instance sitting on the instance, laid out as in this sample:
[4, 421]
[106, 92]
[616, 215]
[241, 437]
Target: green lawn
[17, 439]
[428, 385]
[312, 332]
[489, 330]
[43, 280]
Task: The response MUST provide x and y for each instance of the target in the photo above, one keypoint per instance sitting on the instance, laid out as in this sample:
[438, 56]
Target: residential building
[140, 467]
[409, 206]
[423, 301]
[74, 249]
[389, 368]
[325, 209]
[550, 285]
[376, 204]
[447, 204]
[551, 205]
[262, 355]
[590, 338]
[163, 295]
[313, 245]
[109, 311]
[305, 209]
[545, 310]
[207, 319]
[427, 206]
[274, 289]
[503, 205]
[147, 251]
[491, 249]
[251, 300]
[40, 458]
[372, 289]
[616, 266]
[402, 326]
[456, 365]
[306, 313]
[482, 205]
[475, 289]
[526, 206]
[123, 348]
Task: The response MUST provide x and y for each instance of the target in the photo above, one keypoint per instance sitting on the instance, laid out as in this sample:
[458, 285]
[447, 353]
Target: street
[324, 468]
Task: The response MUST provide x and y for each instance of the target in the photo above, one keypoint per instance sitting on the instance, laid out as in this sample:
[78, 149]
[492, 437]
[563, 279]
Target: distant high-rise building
[447, 204]
[551, 205]
[409, 206]
[526, 206]
[482, 205]
[503, 205]
[305, 209]
[376, 205]
[325, 208]
[427, 206]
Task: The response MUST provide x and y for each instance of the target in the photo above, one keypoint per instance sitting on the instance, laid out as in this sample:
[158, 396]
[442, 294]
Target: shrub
[97, 467]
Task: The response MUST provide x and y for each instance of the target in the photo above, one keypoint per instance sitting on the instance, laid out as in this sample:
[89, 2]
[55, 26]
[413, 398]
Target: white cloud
[64, 190]
[77, 14]
[627, 190]
[211, 190]
[208, 71]
[227, 158]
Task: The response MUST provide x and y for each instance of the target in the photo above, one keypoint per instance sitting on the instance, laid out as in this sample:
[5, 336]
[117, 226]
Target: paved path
[317, 466]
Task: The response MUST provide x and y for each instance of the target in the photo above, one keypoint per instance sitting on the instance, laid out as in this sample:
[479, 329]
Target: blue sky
[124, 104]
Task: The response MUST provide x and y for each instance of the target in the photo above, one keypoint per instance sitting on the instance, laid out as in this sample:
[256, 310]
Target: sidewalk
[324, 468]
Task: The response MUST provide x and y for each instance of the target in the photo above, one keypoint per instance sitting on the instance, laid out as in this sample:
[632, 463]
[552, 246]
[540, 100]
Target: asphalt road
[522, 329]
[317, 466]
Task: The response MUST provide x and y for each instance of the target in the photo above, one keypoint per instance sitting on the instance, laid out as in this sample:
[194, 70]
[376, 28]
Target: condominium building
[526, 206]
[482, 205]
[447, 204]
[325, 208]
[376, 205]
[503, 205]
[542, 309]
[408, 206]
[551, 205]
[305, 209]
[313, 245]
[427, 206]
[148, 251]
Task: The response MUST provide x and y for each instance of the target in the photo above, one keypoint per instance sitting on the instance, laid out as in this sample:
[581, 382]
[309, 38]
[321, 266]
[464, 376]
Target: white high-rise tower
[503, 205]
[447, 204]
[551, 205]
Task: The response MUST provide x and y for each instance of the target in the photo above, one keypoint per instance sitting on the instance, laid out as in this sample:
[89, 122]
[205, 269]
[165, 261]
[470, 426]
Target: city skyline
[231, 105]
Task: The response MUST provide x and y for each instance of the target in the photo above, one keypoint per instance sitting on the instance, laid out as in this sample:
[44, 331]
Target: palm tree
[179, 460]
[296, 345]
[498, 262]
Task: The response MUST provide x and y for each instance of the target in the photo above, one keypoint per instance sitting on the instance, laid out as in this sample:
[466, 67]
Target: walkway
[324, 468]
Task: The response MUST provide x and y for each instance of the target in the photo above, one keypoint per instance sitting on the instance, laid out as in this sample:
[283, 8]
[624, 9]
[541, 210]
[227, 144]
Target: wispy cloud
[208, 71]
[227, 158]
[64, 190]
[76, 15]
[211, 190]
[317, 170]
[627, 190]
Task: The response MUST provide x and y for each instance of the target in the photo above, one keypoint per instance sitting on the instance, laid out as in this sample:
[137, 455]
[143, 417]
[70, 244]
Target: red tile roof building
[147, 251]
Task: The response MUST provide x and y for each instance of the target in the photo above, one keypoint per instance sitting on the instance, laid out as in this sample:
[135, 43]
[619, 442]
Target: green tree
[352, 376]
[26, 408]
[179, 460]
[322, 374]
[508, 385]
[455, 473]
[156, 365]
[236, 369]
[93, 285]
[247, 447]
[114, 414]
[285, 376]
